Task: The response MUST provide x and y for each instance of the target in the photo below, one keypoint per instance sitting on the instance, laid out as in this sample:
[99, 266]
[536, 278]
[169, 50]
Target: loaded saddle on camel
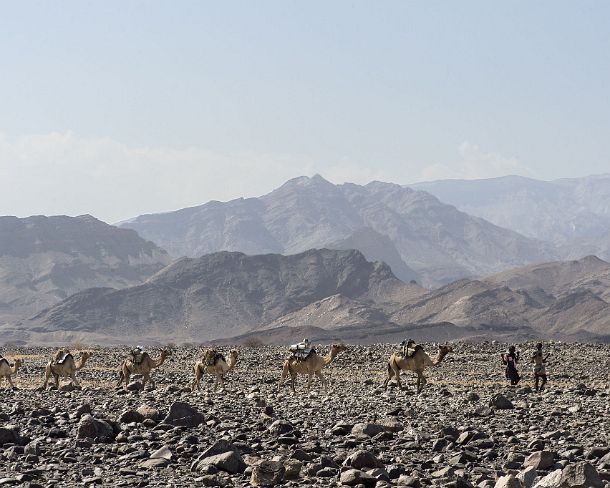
[302, 350]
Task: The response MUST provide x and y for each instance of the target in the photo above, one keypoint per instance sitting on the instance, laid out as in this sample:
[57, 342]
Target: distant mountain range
[371, 262]
[46, 259]
[331, 293]
[223, 294]
[572, 214]
[418, 235]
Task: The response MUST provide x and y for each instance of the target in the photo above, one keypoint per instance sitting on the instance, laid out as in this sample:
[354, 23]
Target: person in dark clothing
[510, 360]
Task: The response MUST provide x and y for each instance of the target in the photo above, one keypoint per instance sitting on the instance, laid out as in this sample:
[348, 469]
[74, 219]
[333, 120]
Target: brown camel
[313, 364]
[6, 370]
[214, 364]
[144, 367]
[66, 369]
[417, 363]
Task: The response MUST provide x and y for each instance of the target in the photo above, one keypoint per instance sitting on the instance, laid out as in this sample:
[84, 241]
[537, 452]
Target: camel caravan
[303, 359]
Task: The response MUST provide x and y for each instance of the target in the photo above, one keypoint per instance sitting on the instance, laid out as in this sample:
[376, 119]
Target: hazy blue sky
[116, 108]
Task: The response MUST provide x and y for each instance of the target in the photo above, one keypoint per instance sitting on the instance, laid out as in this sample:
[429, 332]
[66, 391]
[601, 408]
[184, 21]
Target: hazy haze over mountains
[434, 240]
[573, 214]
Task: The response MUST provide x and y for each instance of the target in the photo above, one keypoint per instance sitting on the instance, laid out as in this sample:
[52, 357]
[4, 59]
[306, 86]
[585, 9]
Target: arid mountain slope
[224, 294]
[435, 240]
[45, 259]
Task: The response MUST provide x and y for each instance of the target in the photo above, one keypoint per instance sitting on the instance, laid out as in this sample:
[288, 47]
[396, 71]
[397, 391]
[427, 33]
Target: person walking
[510, 360]
[539, 361]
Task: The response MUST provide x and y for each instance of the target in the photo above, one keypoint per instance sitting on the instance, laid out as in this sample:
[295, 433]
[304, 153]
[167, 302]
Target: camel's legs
[197, 381]
[283, 375]
[421, 381]
[322, 379]
[74, 380]
[47, 376]
[126, 376]
[56, 376]
[309, 378]
[293, 379]
[10, 381]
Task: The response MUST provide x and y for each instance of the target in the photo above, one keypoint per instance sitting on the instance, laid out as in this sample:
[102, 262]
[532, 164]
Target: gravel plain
[467, 428]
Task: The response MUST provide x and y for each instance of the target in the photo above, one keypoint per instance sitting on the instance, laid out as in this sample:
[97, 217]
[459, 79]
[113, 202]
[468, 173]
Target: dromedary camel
[216, 365]
[144, 367]
[6, 370]
[66, 369]
[313, 364]
[417, 363]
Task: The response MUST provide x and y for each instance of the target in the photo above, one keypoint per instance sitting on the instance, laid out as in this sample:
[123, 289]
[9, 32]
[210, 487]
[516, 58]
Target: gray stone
[500, 402]
[91, 428]
[528, 476]
[362, 459]
[540, 460]
[551, 480]
[128, 416]
[267, 473]
[230, 461]
[354, 477]
[9, 434]
[508, 481]
[580, 475]
[149, 412]
[280, 427]
[181, 413]
[367, 429]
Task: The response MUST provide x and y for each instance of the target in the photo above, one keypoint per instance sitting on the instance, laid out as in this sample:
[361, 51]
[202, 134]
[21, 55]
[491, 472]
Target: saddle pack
[61, 358]
[301, 353]
[4, 360]
[214, 357]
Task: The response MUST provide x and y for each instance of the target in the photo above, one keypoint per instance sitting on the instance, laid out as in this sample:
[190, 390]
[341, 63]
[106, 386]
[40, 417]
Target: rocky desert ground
[467, 428]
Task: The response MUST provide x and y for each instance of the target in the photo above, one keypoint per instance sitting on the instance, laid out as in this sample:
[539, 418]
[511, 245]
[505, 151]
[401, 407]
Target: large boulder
[551, 480]
[230, 462]
[149, 412]
[580, 475]
[182, 414]
[368, 429]
[540, 460]
[92, 428]
[267, 473]
[362, 459]
[508, 481]
[354, 477]
[500, 402]
[280, 427]
[129, 416]
[9, 434]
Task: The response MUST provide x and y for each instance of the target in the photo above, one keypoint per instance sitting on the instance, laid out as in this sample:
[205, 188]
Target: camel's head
[443, 350]
[337, 348]
[18, 362]
[233, 353]
[166, 352]
[86, 354]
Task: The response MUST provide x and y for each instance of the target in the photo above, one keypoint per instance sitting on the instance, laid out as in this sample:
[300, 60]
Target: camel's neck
[15, 368]
[81, 362]
[232, 362]
[439, 357]
[159, 361]
[330, 357]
